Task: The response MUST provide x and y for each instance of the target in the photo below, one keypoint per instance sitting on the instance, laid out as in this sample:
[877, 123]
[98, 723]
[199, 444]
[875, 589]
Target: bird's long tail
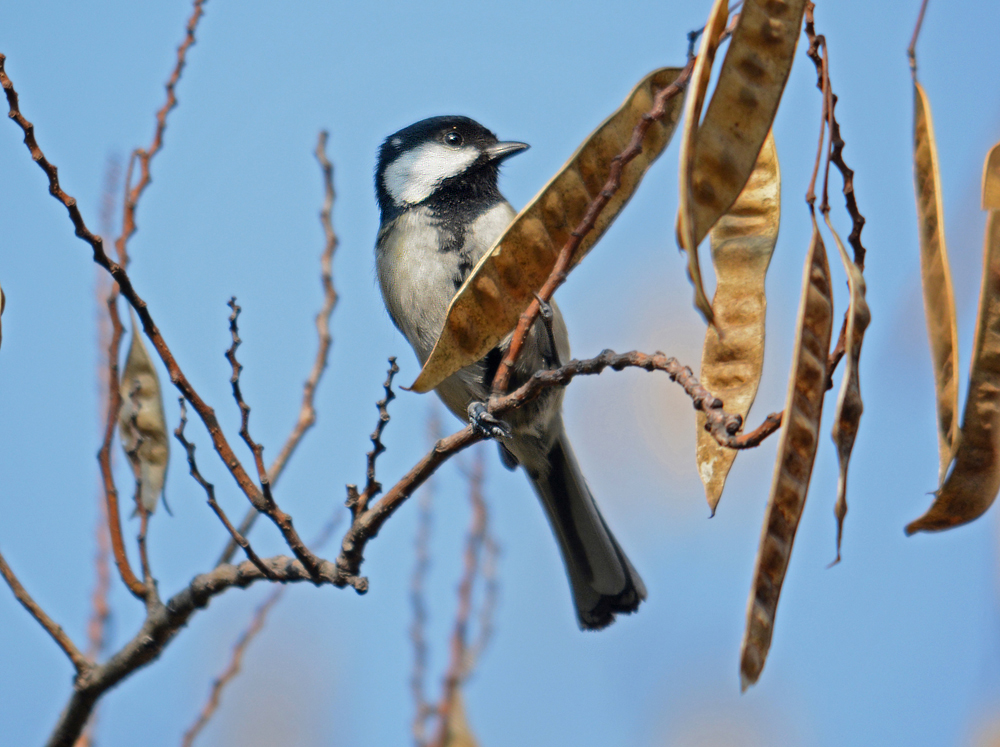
[602, 578]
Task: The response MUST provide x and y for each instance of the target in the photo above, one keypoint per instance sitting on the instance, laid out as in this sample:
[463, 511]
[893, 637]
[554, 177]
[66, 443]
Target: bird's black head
[447, 160]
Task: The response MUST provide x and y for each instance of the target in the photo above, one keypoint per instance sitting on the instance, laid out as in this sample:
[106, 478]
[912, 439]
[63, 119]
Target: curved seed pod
[141, 423]
[739, 116]
[733, 357]
[503, 283]
[3, 303]
[687, 230]
[972, 485]
[849, 405]
[796, 453]
[939, 297]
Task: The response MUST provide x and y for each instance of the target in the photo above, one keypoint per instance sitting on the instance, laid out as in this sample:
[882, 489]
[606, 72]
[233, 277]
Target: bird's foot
[486, 423]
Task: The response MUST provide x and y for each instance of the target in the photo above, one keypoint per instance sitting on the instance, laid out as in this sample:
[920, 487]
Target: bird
[441, 211]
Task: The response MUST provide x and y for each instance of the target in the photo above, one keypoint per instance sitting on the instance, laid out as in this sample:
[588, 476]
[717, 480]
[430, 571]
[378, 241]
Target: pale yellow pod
[457, 730]
[687, 230]
[972, 485]
[796, 454]
[720, 156]
[847, 417]
[141, 423]
[935, 274]
[733, 356]
[504, 282]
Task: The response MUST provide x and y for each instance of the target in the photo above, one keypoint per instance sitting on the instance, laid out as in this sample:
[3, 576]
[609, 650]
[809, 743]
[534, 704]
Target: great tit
[436, 185]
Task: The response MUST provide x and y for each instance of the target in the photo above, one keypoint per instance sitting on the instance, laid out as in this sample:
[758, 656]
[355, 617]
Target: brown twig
[372, 486]
[559, 272]
[307, 411]
[145, 155]
[837, 153]
[233, 667]
[209, 489]
[723, 426]
[421, 566]
[458, 667]
[177, 377]
[256, 448]
[81, 663]
[255, 626]
[911, 51]
[163, 621]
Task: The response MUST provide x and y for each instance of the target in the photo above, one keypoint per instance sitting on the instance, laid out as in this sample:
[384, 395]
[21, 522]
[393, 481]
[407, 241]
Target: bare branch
[307, 411]
[837, 154]
[210, 493]
[145, 156]
[457, 662]
[255, 626]
[559, 272]
[118, 273]
[82, 664]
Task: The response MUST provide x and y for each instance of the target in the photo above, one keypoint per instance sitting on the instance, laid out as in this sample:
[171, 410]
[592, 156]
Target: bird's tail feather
[602, 578]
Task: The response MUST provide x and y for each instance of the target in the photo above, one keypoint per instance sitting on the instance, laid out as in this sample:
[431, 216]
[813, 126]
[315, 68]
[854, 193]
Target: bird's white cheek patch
[414, 176]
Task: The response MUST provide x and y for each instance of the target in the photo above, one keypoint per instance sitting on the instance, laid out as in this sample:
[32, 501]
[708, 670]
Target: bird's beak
[500, 151]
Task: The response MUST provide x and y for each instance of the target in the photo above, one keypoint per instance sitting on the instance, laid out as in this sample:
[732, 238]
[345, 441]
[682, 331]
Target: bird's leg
[551, 357]
[484, 422]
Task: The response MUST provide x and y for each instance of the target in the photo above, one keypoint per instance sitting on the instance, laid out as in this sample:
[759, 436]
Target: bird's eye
[453, 139]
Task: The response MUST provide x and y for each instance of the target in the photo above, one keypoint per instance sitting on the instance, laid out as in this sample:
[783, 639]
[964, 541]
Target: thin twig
[145, 155]
[418, 603]
[209, 489]
[837, 154]
[82, 664]
[911, 51]
[457, 663]
[562, 265]
[177, 376]
[245, 638]
[307, 411]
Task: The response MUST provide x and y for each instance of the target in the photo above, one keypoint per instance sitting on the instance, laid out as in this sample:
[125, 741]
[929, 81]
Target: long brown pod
[687, 230]
[733, 356]
[722, 152]
[847, 417]
[796, 453]
[504, 282]
[971, 487]
[935, 274]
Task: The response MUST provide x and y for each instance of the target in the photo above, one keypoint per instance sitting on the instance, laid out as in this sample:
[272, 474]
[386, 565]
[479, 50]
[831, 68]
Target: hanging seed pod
[733, 357]
[847, 417]
[141, 423]
[796, 454]
[503, 284]
[972, 485]
[935, 276]
[718, 154]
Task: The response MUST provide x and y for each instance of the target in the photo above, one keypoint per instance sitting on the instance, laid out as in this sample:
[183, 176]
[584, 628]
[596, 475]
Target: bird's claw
[487, 423]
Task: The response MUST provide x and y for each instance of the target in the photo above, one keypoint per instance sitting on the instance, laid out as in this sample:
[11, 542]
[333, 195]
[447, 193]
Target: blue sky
[899, 644]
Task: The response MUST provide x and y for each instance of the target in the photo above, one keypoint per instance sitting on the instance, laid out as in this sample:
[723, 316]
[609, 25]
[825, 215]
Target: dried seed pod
[687, 230]
[733, 357]
[935, 274]
[3, 303]
[141, 423]
[972, 485]
[717, 159]
[847, 417]
[503, 283]
[457, 731]
[796, 453]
